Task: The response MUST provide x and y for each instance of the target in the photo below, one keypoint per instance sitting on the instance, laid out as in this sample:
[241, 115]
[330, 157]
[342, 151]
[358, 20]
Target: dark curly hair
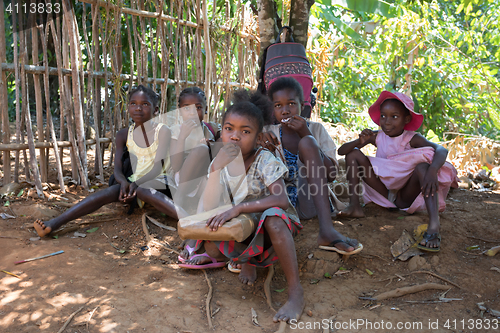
[286, 82]
[155, 98]
[251, 104]
[192, 91]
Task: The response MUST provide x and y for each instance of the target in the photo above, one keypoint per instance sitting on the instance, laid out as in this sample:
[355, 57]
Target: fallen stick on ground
[10, 237]
[437, 276]
[161, 225]
[157, 242]
[398, 292]
[41, 257]
[17, 276]
[267, 287]
[366, 255]
[485, 240]
[421, 272]
[91, 314]
[69, 320]
[209, 298]
[145, 228]
[112, 219]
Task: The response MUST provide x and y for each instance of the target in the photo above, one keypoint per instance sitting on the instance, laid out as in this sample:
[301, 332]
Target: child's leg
[358, 167]
[84, 207]
[159, 200]
[316, 174]
[194, 167]
[284, 246]
[409, 193]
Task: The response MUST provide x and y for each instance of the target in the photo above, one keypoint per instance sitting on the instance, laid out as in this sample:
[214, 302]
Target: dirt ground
[120, 286]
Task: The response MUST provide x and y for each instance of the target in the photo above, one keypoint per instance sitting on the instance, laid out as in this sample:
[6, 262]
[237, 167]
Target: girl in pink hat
[409, 172]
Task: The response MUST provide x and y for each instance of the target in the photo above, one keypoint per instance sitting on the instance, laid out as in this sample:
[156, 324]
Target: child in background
[408, 172]
[148, 143]
[264, 195]
[191, 147]
[310, 155]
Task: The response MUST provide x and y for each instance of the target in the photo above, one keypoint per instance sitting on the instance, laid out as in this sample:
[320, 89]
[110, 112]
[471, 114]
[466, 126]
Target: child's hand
[187, 127]
[269, 141]
[132, 191]
[226, 154]
[430, 183]
[365, 136]
[299, 125]
[217, 221]
[123, 191]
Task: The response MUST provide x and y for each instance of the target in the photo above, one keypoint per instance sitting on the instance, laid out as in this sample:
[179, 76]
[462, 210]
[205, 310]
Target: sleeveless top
[145, 157]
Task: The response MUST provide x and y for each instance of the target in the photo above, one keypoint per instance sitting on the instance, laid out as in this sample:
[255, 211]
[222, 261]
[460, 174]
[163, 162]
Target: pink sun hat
[416, 118]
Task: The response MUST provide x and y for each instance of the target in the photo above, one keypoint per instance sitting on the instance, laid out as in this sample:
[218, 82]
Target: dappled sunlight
[8, 280]
[12, 296]
[66, 298]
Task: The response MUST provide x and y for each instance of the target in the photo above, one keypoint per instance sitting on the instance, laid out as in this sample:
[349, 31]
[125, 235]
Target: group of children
[289, 162]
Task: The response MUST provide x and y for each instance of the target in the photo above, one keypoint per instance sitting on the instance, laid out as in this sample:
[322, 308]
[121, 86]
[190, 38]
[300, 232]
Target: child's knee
[308, 142]
[354, 154]
[421, 168]
[274, 224]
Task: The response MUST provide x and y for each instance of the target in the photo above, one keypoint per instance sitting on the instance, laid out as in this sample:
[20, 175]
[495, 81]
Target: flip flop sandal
[190, 251]
[214, 264]
[232, 268]
[331, 247]
[427, 239]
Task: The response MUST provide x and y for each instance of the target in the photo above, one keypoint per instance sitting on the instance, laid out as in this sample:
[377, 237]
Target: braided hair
[155, 98]
[251, 104]
[192, 91]
[286, 82]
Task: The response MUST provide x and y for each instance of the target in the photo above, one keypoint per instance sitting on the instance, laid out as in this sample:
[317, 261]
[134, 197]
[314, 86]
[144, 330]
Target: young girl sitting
[149, 159]
[191, 145]
[264, 194]
[408, 172]
[310, 155]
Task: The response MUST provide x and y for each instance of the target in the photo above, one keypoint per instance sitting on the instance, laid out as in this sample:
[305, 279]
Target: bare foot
[41, 228]
[200, 259]
[292, 310]
[351, 211]
[248, 274]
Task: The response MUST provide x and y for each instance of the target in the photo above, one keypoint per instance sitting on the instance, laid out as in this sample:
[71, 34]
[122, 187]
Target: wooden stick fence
[77, 72]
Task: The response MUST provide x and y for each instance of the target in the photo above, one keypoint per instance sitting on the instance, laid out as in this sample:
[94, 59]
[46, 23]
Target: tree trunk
[299, 19]
[268, 30]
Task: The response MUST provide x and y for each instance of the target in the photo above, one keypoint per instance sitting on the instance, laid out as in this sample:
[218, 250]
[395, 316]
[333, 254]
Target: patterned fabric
[287, 68]
[265, 170]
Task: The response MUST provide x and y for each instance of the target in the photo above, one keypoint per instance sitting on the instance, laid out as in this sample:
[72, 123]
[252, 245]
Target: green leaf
[122, 251]
[279, 290]
[55, 237]
[473, 247]
[327, 275]
[495, 117]
[369, 272]
[400, 217]
[93, 230]
[7, 204]
[20, 193]
[314, 281]
[346, 29]
[365, 6]
[342, 269]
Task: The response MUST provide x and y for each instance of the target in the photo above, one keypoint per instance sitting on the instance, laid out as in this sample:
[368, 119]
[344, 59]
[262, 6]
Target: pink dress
[394, 163]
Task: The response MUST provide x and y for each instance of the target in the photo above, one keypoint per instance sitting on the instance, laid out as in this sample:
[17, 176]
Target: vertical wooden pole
[38, 100]
[17, 85]
[77, 101]
[4, 107]
[208, 54]
[50, 124]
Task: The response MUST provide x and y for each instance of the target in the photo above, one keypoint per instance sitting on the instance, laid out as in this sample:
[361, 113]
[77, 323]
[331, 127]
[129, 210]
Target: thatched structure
[100, 48]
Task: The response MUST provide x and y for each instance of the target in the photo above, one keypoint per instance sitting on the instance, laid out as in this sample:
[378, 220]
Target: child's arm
[430, 183]
[213, 190]
[121, 141]
[365, 137]
[160, 157]
[277, 198]
[177, 146]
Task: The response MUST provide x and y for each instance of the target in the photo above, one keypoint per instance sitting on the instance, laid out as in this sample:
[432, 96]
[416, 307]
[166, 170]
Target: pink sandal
[190, 253]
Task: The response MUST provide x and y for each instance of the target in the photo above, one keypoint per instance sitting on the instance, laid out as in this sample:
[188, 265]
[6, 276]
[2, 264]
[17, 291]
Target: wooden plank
[4, 109]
